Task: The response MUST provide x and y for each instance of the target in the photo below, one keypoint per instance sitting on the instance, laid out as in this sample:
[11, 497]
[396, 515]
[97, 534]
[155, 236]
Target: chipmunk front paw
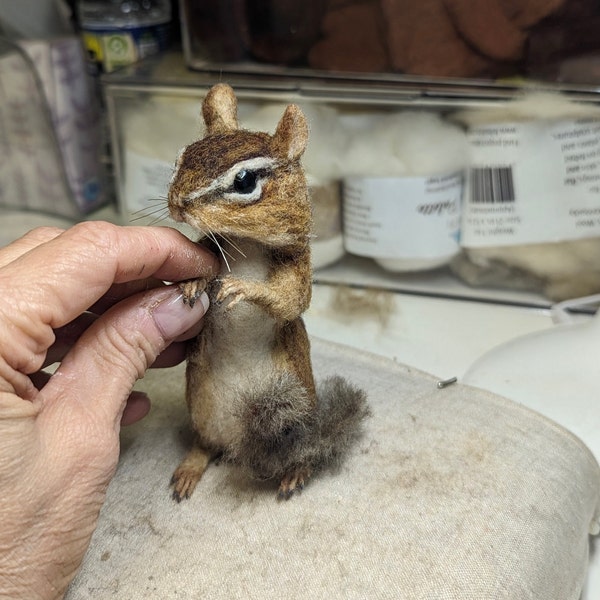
[294, 482]
[233, 290]
[192, 290]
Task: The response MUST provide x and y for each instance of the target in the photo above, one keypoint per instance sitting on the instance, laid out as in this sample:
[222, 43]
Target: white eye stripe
[225, 181]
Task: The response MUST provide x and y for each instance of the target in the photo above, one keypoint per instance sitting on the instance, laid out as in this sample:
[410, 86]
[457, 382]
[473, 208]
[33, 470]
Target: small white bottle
[117, 33]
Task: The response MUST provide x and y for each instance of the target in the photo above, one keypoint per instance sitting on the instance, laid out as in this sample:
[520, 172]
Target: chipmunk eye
[245, 182]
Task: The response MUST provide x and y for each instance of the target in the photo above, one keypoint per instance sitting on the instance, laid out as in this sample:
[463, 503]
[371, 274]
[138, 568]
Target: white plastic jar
[403, 178]
[117, 33]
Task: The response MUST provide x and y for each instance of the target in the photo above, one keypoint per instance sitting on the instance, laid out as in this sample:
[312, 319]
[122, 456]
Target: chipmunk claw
[293, 483]
[183, 483]
[192, 290]
[189, 472]
[231, 290]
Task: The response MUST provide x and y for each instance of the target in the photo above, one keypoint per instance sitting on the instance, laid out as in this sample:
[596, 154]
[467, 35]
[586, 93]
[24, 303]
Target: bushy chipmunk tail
[280, 428]
[341, 410]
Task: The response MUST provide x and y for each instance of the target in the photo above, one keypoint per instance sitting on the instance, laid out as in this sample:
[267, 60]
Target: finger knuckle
[100, 235]
[127, 352]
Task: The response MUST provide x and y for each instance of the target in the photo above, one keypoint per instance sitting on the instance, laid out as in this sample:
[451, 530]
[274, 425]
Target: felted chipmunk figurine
[250, 388]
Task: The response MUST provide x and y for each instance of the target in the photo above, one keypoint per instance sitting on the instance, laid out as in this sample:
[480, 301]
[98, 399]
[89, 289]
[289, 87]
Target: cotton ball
[327, 139]
[429, 145]
[534, 106]
[264, 118]
[174, 125]
[370, 148]
[406, 143]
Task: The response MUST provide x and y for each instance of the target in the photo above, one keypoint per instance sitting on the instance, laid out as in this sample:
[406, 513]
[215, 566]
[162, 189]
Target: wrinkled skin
[92, 299]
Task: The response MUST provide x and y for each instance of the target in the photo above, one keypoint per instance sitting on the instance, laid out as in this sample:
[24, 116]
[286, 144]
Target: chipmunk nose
[176, 206]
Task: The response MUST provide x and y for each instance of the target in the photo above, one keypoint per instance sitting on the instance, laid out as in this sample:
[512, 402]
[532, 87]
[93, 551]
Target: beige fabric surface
[450, 494]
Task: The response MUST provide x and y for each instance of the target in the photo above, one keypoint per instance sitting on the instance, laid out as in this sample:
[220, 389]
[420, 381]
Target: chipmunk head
[243, 184]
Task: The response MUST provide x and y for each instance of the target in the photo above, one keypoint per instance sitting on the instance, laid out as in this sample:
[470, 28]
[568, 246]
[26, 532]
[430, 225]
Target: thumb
[115, 351]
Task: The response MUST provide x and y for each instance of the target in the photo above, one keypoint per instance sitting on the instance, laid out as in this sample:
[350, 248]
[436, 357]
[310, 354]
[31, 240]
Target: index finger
[62, 277]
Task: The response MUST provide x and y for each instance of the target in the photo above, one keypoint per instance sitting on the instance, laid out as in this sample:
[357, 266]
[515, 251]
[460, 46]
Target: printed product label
[146, 185]
[403, 217]
[114, 48]
[532, 183]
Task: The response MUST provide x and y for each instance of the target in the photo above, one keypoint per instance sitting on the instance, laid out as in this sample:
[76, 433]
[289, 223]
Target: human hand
[59, 434]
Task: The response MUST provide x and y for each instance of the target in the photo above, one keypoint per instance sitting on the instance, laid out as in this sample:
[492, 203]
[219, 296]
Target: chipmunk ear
[219, 109]
[291, 136]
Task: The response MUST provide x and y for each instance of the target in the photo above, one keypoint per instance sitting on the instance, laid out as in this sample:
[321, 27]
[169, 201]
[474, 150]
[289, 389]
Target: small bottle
[117, 33]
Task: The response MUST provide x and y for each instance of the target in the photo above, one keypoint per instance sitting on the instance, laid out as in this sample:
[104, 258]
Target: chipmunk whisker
[159, 218]
[234, 246]
[152, 203]
[223, 252]
[150, 212]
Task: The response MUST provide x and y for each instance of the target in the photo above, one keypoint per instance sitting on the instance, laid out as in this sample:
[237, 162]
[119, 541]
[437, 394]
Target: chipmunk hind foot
[189, 472]
[293, 482]
[336, 424]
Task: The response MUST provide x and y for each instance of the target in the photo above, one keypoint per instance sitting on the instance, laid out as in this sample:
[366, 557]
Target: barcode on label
[490, 185]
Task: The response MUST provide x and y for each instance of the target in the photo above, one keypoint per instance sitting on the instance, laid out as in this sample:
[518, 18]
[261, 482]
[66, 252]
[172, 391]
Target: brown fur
[286, 224]
[249, 374]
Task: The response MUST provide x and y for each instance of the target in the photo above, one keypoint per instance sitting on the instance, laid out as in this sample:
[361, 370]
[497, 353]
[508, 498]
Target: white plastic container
[531, 213]
[402, 202]
[117, 33]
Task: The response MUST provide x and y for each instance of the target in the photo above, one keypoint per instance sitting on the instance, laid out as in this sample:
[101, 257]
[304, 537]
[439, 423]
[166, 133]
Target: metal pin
[446, 382]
